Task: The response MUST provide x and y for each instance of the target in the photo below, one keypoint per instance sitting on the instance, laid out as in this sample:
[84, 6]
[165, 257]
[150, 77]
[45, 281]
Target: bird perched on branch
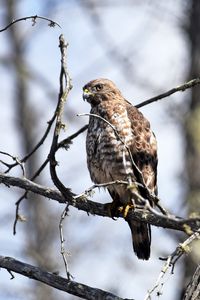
[121, 146]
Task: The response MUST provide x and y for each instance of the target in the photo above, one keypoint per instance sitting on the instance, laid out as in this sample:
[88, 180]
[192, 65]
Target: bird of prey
[121, 147]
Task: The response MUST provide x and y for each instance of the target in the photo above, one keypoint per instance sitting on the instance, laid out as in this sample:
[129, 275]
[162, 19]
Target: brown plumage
[108, 158]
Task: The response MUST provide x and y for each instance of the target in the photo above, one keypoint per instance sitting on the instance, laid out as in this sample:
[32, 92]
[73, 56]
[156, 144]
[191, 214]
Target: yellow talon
[114, 210]
[125, 209]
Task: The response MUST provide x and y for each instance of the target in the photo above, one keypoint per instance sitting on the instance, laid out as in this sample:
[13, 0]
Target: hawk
[119, 143]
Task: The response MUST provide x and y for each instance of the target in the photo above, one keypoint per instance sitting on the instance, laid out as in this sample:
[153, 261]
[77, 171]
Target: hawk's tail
[141, 237]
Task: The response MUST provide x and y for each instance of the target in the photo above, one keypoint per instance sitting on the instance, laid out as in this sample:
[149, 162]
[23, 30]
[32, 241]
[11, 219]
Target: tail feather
[141, 237]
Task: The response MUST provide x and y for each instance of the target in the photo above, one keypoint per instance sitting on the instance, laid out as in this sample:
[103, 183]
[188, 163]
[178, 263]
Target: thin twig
[180, 88]
[17, 215]
[171, 260]
[33, 18]
[18, 162]
[11, 274]
[18, 202]
[66, 142]
[41, 141]
[100, 185]
[63, 144]
[62, 241]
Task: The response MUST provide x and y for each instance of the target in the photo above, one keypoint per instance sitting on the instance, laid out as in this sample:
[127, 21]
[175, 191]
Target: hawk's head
[99, 90]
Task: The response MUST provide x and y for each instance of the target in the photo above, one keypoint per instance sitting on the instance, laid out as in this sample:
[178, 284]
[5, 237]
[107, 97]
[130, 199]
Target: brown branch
[99, 209]
[66, 142]
[33, 18]
[58, 282]
[65, 87]
[180, 88]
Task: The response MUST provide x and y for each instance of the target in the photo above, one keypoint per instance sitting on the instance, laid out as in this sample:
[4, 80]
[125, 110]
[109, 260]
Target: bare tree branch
[58, 282]
[66, 142]
[62, 242]
[180, 88]
[95, 208]
[65, 87]
[183, 248]
[33, 18]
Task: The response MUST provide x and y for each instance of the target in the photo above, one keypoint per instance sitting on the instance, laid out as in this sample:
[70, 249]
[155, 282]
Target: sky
[142, 48]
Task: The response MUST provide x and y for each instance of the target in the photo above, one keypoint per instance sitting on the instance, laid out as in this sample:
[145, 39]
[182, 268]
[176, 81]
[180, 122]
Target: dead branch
[66, 142]
[65, 87]
[171, 260]
[180, 88]
[62, 242]
[33, 19]
[18, 162]
[58, 282]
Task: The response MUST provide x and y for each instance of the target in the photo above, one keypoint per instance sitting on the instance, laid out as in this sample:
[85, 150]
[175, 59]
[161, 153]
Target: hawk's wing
[144, 153]
[144, 147]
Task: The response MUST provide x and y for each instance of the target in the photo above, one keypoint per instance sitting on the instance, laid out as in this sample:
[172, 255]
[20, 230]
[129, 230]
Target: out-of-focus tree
[39, 231]
[191, 134]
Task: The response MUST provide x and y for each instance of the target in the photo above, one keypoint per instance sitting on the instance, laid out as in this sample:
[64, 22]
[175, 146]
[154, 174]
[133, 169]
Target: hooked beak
[86, 94]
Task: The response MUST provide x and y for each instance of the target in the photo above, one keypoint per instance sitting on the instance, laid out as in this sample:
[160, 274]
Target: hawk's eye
[98, 87]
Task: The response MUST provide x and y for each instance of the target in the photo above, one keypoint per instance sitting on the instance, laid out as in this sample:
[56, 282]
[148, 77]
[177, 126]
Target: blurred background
[146, 47]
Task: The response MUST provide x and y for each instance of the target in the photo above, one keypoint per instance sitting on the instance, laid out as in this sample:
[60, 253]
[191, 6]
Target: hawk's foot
[125, 209]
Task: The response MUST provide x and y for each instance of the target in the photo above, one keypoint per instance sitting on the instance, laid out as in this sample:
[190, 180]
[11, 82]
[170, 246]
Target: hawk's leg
[116, 207]
[113, 208]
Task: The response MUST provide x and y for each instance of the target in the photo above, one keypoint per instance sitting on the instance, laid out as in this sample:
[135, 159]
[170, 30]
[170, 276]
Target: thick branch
[99, 209]
[58, 282]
